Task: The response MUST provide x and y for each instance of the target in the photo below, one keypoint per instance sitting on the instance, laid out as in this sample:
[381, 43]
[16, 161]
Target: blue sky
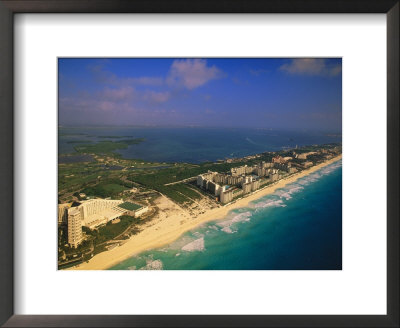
[302, 93]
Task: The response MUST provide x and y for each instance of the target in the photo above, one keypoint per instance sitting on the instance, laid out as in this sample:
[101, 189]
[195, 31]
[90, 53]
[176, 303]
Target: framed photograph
[157, 169]
[208, 164]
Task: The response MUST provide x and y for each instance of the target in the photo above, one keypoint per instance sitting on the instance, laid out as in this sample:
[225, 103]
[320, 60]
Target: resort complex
[244, 179]
[93, 213]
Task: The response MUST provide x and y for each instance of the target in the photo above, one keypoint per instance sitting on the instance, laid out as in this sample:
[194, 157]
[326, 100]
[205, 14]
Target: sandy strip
[171, 228]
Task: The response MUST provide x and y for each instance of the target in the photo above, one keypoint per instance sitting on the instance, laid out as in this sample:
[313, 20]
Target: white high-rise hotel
[91, 213]
[95, 212]
[74, 227]
[99, 211]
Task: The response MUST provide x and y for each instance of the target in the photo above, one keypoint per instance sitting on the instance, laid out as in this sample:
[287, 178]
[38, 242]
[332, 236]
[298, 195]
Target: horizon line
[191, 126]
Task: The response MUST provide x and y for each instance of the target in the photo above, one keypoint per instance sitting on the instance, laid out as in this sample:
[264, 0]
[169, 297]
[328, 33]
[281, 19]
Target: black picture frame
[10, 7]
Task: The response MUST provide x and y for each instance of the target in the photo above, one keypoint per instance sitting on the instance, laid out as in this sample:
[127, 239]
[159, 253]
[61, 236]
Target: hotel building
[63, 213]
[249, 178]
[95, 212]
[226, 196]
[74, 227]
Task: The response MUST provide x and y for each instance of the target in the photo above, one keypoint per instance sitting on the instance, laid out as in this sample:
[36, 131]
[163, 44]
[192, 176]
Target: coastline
[170, 229]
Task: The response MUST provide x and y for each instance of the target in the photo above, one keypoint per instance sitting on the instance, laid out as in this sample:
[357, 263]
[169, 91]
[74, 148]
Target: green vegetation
[73, 182]
[175, 194]
[130, 206]
[96, 240]
[112, 230]
[179, 172]
[82, 248]
[107, 188]
[107, 147]
[181, 189]
[73, 177]
[316, 158]
[78, 141]
[181, 193]
[95, 179]
[132, 141]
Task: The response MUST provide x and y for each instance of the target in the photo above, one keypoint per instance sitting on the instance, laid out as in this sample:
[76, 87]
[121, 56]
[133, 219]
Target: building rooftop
[130, 206]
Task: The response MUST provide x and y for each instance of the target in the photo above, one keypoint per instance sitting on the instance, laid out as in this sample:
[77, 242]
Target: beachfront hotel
[99, 211]
[93, 213]
[243, 179]
[63, 213]
[74, 227]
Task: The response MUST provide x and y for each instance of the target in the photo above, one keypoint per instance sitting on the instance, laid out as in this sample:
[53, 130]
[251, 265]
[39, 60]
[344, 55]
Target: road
[181, 181]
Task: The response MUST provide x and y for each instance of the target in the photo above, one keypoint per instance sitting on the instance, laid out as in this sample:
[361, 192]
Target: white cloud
[311, 66]
[188, 73]
[192, 73]
[116, 95]
[123, 93]
[144, 80]
[155, 96]
[112, 99]
[106, 77]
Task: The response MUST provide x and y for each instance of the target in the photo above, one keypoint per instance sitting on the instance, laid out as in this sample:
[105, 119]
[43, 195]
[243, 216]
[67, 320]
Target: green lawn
[113, 188]
[110, 230]
[104, 190]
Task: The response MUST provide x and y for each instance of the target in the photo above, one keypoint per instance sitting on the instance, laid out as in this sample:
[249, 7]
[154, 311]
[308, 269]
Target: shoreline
[167, 231]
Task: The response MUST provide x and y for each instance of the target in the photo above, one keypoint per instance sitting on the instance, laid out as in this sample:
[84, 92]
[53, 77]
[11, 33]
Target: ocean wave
[315, 176]
[152, 265]
[330, 168]
[270, 203]
[196, 245]
[288, 191]
[183, 241]
[226, 225]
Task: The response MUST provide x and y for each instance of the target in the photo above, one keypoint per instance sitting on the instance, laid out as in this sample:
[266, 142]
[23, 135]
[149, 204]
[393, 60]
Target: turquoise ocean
[299, 227]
